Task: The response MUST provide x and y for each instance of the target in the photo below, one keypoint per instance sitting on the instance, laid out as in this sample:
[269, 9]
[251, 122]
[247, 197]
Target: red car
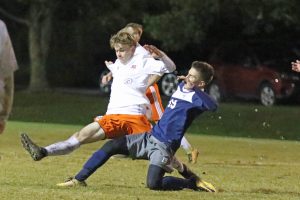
[240, 74]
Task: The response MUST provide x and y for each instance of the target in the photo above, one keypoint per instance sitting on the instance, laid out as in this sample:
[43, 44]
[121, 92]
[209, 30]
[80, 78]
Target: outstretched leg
[90, 133]
[112, 147]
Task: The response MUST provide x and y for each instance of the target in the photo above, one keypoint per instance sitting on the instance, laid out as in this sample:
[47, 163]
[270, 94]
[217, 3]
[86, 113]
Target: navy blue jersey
[183, 107]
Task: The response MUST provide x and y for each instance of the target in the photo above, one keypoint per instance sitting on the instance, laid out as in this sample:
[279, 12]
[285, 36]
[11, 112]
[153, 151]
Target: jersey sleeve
[157, 67]
[204, 101]
[112, 67]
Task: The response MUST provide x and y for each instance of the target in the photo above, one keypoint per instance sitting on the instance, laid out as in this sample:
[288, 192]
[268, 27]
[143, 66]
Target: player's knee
[78, 136]
[81, 137]
[154, 177]
[154, 184]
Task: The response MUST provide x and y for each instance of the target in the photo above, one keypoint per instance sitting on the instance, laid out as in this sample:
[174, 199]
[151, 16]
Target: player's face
[134, 33]
[124, 52]
[193, 79]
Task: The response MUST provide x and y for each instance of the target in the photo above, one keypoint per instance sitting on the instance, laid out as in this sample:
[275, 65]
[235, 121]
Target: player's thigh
[90, 133]
[138, 146]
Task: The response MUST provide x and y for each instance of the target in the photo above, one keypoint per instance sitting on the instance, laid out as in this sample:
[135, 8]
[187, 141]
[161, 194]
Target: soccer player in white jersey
[152, 92]
[127, 105]
[160, 145]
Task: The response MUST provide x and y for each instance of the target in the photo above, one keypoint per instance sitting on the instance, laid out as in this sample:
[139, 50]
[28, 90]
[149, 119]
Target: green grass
[241, 168]
[232, 119]
[56, 107]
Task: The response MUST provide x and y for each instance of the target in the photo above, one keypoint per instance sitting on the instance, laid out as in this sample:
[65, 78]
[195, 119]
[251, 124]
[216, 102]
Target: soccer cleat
[200, 184]
[205, 186]
[195, 154]
[72, 182]
[34, 150]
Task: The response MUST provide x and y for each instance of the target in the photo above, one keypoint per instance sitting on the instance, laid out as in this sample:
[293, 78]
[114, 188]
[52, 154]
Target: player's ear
[201, 84]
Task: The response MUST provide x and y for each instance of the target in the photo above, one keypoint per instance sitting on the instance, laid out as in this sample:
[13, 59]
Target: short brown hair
[206, 70]
[122, 38]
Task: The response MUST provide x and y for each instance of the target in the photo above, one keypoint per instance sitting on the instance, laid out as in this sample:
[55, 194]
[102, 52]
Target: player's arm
[153, 79]
[158, 54]
[181, 77]
[106, 78]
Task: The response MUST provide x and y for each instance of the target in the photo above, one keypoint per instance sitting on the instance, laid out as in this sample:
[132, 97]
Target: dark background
[186, 30]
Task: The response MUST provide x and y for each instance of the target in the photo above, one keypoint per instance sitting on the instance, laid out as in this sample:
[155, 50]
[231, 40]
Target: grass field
[240, 166]
[249, 120]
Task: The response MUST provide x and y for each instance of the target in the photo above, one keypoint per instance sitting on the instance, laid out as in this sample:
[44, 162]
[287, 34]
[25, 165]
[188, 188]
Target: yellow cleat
[72, 182]
[205, 186]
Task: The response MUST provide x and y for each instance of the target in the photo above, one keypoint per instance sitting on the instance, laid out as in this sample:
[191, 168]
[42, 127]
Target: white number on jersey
[172, 103]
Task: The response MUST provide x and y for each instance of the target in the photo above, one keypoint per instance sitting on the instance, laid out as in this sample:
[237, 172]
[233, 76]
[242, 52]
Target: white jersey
[130, 83]
[139, 50]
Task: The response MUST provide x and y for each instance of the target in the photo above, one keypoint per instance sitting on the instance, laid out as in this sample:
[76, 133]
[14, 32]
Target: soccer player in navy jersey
[159, 146]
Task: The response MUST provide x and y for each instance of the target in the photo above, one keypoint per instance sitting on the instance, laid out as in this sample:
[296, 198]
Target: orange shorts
[155, 100]
[117, 125]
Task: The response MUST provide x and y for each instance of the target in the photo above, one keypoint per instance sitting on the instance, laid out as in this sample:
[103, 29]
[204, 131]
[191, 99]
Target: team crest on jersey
[172, 103]
[128, 81]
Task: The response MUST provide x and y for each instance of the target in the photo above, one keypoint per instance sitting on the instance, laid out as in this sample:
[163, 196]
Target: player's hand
[154, 51]
[107, 63]
[2, 126]
[181, 77]
[106, 78]
[296, 66]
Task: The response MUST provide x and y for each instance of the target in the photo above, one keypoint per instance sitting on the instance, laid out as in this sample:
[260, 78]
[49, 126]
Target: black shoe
[36, 152]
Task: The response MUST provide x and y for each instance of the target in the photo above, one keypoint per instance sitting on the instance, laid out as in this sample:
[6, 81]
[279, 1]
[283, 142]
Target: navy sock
[175, 183]
[96, 161]
[157, 181]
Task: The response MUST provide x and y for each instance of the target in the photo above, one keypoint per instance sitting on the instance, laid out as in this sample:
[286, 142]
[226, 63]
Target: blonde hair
[123, 38]
[135, 26]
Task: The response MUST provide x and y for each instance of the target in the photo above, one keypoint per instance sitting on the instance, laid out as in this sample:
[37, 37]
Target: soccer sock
[175, 183]
[186, 145]
[176, 164]
[64, 147]
[187, 173]
[96, 161]
[157, 181]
